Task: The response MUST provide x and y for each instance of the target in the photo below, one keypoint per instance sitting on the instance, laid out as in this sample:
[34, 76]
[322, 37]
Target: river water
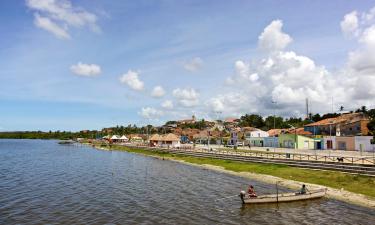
[43, 182]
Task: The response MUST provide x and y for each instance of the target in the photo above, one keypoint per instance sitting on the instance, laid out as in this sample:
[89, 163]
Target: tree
[277, 122]
[316, 117]
[252, 120]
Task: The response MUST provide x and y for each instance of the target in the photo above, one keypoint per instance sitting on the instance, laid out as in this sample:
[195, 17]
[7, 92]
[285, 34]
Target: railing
[282, 156]
[366, 160]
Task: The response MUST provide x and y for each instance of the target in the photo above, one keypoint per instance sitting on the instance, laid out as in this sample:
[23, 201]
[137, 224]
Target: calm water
[44, 182]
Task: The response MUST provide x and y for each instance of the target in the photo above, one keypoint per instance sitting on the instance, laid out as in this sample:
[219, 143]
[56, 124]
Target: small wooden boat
[285, 197]
[66, 142]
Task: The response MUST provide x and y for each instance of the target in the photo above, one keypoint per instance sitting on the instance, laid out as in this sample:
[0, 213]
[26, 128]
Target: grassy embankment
[354, 183]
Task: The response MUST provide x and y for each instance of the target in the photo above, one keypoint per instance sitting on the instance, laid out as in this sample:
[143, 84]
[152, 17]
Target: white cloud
[188, 97]
[150, 113]
[158, 92]
[194, 64]
[273, 38]
[56, 16]
[48, 25]
[243, 70]
[361, 62]
[349, 24]
[131, 78]
[167, 104]
[88, 70]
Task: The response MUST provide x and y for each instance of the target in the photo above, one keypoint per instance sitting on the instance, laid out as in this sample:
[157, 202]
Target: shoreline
[338, 194]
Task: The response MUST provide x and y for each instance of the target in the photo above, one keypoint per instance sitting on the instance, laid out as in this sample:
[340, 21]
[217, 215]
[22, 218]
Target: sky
[89, 64]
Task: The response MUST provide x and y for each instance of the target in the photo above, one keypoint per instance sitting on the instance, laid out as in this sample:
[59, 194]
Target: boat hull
[286, 197]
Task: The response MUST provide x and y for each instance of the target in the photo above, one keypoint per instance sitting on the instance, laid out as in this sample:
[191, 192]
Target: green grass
[354, 183]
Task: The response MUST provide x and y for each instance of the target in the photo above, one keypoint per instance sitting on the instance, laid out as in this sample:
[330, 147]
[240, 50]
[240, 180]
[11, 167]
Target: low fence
[271, 155]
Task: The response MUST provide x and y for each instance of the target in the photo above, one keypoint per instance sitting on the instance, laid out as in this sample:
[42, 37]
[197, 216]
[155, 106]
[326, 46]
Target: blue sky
[194, 50]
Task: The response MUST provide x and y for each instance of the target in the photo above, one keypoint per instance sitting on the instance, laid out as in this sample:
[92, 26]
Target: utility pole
[274, 114]
[307, 108]
[274, 123]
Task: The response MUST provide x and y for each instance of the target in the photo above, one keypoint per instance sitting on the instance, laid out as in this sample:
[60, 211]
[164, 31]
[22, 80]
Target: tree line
[247, 120]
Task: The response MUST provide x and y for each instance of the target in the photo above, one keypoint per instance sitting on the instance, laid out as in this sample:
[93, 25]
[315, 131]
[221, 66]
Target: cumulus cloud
[194, 64]
[88, 70]
[361, 62]
[131, 78]
[150, 113]
[349, 25]
[273, 38]
[167, 104]
[50, 26]
[57, 16]
[187, 97]
[158, 92]
[282, 76]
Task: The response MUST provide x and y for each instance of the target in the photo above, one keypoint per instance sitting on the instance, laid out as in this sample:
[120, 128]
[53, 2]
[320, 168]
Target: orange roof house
[348, 124]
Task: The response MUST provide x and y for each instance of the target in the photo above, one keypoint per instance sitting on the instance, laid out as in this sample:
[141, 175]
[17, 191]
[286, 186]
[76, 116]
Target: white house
[363, 143]
[168, 140]
[251, 132]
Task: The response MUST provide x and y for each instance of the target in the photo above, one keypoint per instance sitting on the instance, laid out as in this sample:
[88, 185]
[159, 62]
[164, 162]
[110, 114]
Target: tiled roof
[344, 118]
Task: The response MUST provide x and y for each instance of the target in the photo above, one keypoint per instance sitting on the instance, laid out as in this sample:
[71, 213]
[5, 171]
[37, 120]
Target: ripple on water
[43, 182]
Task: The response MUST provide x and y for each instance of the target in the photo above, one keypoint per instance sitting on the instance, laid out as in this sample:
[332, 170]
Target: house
[271, 142]
[171, 140]
[251, 132]
[218, 126]
[187, 121]
[348, 124]
[203, 136]
[167, 140]
[345, 143]
[364, 143]
[155, 140]
[296, 141]
[136, 138]
[236, 137]
[254, 136]
[348, 143]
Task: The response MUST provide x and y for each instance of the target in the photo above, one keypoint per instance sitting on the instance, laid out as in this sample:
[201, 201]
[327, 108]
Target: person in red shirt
[251, 191]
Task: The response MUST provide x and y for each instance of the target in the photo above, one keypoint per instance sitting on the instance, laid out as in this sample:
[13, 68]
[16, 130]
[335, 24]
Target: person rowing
[303, 190]
[251, 192]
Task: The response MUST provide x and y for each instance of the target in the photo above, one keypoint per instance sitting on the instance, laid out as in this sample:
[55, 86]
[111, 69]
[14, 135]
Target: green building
[296, 141]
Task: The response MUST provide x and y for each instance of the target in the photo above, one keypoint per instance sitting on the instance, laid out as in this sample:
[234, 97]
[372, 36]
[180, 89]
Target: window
[341, 145]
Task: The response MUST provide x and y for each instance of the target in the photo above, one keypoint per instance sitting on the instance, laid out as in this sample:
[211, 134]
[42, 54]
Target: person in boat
[303, 190]
[251, 191]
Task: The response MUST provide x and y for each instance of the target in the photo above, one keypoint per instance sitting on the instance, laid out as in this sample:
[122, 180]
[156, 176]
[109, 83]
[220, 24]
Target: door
[329, 144]
[319, 145]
